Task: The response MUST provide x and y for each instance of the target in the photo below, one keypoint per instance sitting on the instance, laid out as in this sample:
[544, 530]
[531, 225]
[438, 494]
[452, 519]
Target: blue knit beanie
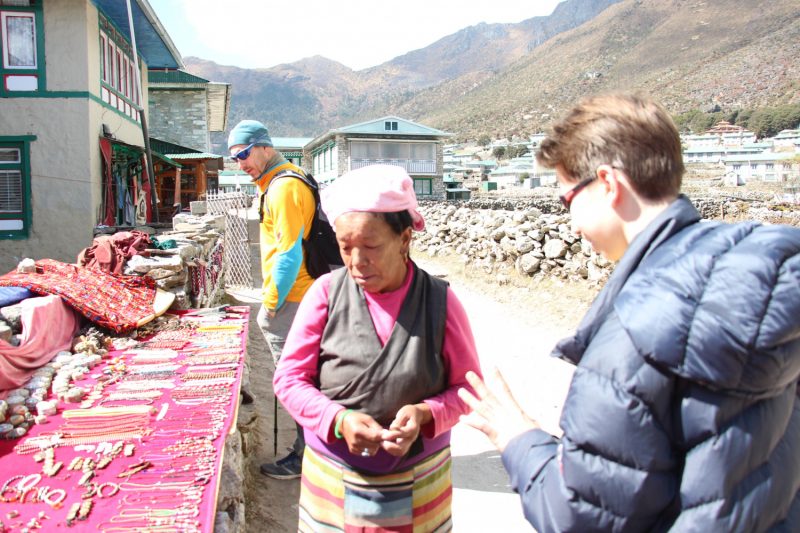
[247, 131]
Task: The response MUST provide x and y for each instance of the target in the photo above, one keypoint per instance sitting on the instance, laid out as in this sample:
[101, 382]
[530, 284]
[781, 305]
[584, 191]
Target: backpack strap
[289, 173]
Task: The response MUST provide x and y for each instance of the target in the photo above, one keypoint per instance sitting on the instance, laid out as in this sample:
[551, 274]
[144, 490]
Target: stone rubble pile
[536, 244]
[197, 239]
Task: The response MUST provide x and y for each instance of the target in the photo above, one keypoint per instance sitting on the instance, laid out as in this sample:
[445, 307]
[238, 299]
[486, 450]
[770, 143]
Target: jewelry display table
[142, 450]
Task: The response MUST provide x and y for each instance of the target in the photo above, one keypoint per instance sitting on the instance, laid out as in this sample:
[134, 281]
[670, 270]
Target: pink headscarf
[376, 189]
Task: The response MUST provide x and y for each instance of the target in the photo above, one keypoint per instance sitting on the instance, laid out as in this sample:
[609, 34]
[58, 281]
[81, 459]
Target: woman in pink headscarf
[371, 369]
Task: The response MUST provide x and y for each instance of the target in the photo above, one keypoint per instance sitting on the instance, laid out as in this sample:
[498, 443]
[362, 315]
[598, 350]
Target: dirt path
[271, 505]
[518, 339]
[505, 337]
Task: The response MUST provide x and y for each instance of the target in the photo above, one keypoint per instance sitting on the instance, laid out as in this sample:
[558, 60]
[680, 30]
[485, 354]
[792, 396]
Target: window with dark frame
[118, 76]
[14, 190]
[103, 62]
[22, 67]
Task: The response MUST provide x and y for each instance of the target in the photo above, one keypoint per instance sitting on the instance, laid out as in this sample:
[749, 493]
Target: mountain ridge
[307, 96]
[687, 53]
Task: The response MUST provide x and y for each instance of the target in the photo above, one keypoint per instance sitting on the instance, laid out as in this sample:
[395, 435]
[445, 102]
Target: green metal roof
[707, 149]
[173, 76]
[170, 148]
[787, 134]
[202, 155]
[758, 145]
[291, 142]
[229, 179]
[756, 157]
[165, 158]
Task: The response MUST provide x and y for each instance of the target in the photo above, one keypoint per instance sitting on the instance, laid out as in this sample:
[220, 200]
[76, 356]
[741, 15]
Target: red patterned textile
[117, 303]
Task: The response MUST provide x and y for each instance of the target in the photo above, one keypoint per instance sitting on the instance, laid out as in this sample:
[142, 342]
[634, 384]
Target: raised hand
[499, 417]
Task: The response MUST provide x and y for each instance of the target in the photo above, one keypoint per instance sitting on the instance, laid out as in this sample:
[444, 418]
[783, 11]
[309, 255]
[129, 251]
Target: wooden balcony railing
[412, 166]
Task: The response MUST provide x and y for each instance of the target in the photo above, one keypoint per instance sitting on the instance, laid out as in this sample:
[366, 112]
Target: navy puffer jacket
[683, 412]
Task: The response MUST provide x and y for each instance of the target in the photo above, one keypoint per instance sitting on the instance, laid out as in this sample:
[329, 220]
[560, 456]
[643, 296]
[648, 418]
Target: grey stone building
[389, 141]
[185, 109]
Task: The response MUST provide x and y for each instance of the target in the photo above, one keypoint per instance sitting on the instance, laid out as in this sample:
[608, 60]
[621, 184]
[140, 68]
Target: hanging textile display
[141, 207]
[117, 303]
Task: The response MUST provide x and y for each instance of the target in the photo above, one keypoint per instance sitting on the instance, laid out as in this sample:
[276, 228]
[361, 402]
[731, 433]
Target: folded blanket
[48, 327]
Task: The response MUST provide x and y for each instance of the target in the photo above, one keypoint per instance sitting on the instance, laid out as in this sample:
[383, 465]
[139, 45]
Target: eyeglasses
[566, 199]
[244, 154]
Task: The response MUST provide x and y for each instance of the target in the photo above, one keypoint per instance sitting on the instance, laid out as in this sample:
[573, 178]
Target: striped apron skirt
[334, 498]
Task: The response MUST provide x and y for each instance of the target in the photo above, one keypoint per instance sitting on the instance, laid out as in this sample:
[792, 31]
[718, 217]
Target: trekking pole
[275, 428]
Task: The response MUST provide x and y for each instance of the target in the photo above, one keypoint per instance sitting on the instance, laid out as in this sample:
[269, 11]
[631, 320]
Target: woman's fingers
[362, 433]
[396, 448]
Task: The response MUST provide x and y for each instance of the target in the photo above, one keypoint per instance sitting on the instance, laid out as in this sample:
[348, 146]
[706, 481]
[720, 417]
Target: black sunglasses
[244, 154]
[566, 199]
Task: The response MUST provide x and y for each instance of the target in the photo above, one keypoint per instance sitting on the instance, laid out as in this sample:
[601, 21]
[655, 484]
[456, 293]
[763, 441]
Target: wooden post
[143, 118]
[177, 199]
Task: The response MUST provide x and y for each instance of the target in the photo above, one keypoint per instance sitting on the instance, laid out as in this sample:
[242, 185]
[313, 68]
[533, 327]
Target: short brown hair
[630, 132]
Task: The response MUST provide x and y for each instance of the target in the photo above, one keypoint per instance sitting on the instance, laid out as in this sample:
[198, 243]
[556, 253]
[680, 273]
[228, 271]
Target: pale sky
[356, 33]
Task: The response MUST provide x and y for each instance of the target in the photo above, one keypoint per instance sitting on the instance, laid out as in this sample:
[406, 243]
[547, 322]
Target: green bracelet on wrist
[339, 423]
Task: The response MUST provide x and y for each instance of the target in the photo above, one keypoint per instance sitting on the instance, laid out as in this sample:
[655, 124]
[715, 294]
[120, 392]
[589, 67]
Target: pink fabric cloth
[377, 189]
[294, 380]
[48, 327]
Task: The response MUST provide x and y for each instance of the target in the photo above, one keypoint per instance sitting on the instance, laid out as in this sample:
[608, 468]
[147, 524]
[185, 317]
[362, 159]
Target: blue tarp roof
[158, 51]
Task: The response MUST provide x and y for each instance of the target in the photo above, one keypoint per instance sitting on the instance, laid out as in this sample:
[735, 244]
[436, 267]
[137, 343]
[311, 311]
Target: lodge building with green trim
[68, 86]
[388, 140]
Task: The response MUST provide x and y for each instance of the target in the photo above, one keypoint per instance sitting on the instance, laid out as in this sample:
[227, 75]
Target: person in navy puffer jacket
[683, 412]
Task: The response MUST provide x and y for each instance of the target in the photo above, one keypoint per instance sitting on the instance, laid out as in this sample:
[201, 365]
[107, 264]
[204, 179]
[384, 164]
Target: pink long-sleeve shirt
[294, 380]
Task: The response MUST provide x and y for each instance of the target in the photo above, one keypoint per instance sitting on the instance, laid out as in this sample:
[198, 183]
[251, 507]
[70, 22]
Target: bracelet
[114, 489]
[55, 503]
[339, 423]
[29, 482]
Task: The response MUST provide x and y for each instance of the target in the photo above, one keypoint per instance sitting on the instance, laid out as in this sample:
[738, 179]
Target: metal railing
[234, 206]
[412, 166]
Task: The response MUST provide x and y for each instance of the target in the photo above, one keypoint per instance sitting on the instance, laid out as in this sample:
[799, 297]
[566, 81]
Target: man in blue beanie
[288, 211]
[683, 413]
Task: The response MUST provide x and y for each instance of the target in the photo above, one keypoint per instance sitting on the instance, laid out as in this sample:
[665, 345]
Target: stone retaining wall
[534, 243]
[534, 235]
[199, 240]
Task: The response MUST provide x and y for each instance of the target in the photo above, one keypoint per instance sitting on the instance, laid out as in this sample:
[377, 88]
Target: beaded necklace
[209, 375]
[146, 385]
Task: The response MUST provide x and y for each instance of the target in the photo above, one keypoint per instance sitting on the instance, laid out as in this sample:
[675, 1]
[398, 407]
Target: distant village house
[389, 140]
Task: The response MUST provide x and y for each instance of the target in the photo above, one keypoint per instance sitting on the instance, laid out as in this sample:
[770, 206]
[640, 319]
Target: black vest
[356, 372]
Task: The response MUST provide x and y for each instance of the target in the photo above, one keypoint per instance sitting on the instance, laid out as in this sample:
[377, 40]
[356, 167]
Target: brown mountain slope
[308, 96]
[484, 46]
[735, 53]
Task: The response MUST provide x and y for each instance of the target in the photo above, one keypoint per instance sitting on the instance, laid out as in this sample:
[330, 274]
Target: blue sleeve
[530, 460]
[286, 268]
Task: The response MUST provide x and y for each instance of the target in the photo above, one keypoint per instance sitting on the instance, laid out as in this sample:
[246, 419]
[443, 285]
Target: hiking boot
[290, 467]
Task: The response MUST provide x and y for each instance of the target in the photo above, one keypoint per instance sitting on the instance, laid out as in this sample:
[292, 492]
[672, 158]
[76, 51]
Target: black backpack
[322, 249]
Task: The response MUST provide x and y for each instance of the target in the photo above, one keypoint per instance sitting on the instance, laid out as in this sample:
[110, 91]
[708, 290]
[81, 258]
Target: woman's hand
[405, 429]
[360, 431]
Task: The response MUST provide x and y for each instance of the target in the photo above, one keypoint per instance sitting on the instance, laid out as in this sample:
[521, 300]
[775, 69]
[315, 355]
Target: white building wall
[65, 159]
